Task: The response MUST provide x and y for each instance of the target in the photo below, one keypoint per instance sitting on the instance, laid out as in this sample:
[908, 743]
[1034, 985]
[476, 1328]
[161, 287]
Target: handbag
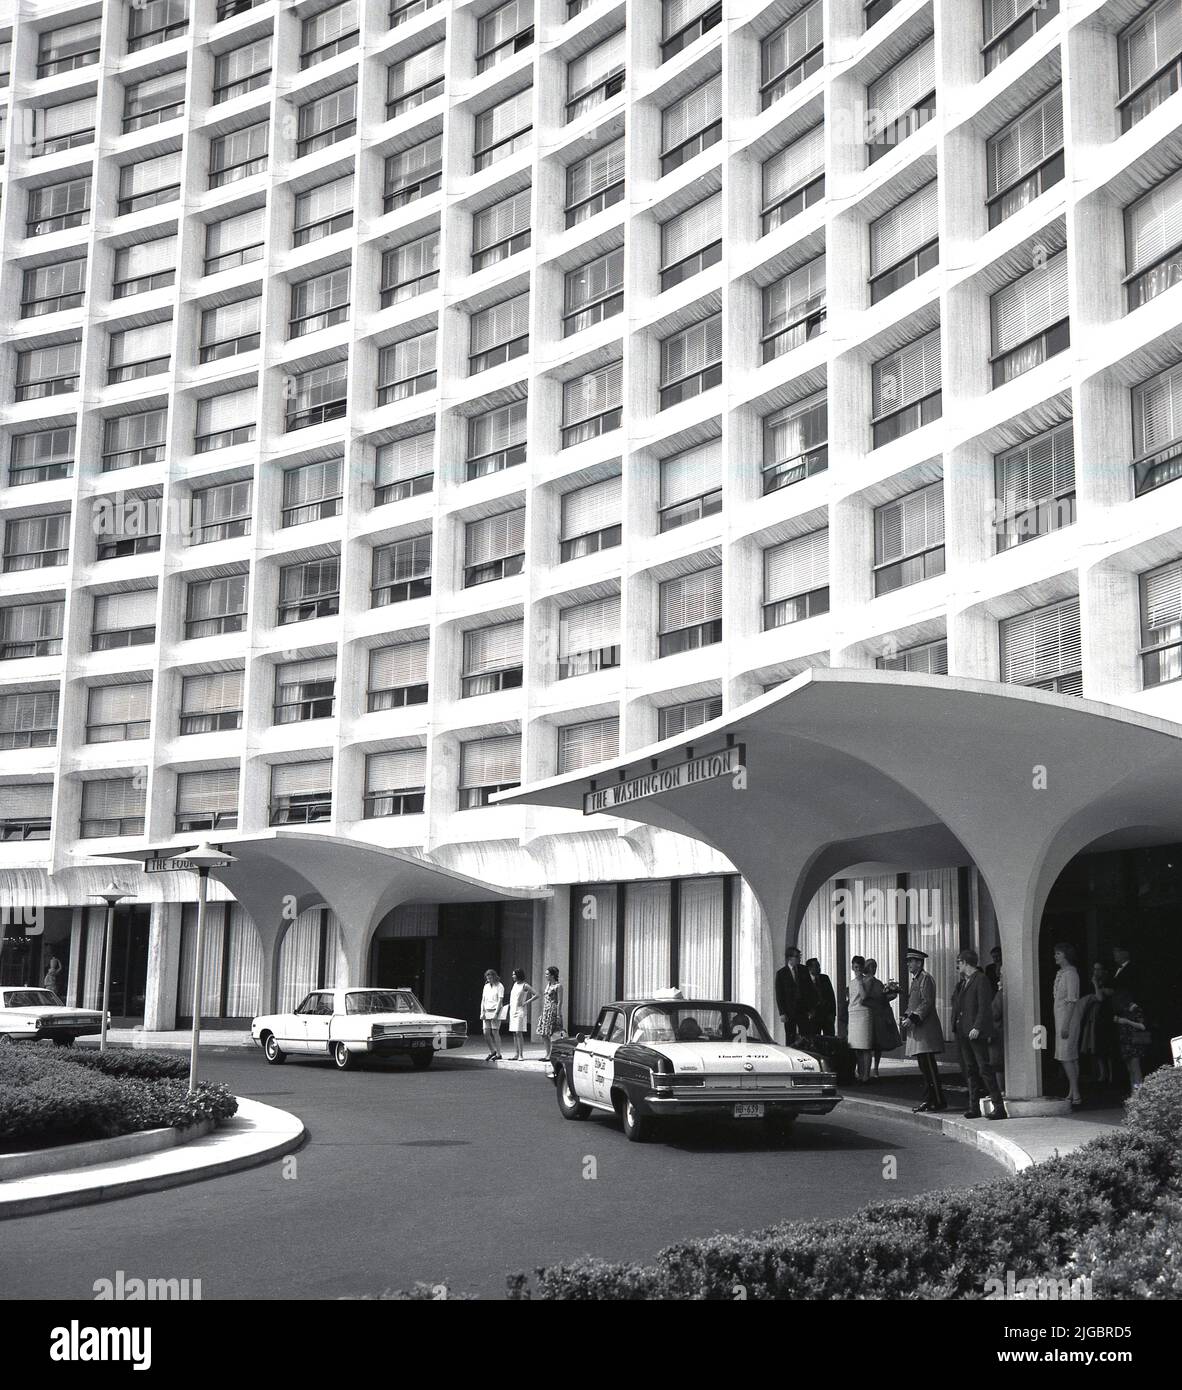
[503, 1013]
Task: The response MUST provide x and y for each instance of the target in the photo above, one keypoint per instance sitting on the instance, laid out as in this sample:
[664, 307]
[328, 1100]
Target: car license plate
[749, 1110]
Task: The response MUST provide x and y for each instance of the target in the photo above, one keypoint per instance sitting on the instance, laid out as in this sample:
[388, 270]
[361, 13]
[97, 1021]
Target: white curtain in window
[646, 938]
[113, 798]
[146, 258]
[503, 24]
[91, 996]
[700, 938]
[234, 233]
[153, 340]
[594, 281]
[419, 70]
[211, 965]
[594, 952]
[402, 560]
[299, 957]
[244, 968]
[418, 162]
[149, 175]
[872, 918]
[119, 704]
[795, 430]
[411, 261]
[1153, 225]
[788, 300]
[792, 41]
[320, 203]
[934, 898]
[817, 937]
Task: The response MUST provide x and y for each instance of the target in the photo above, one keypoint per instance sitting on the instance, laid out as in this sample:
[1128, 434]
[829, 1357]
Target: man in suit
[1128, 984]
[972, 1027]
[796, 998]
[993, 970]
[923, 1033]
[825, 1017]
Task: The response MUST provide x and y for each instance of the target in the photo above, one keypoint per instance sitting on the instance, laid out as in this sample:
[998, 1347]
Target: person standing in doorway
[1066, 997]
[885, 1030]
[521, 996]
[53, 974]
[490, 1013]
[796, 999]
[860, 1030]
[825, 1018]
[993, 969]
[550, 1024]
[922, 1031]
[972, 1027]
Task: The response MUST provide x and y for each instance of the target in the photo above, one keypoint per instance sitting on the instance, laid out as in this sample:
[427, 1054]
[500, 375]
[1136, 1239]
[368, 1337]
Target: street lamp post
[203, 858]
[111, 895]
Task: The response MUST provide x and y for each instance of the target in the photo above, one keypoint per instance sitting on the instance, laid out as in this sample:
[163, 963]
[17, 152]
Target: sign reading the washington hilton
[666, 779]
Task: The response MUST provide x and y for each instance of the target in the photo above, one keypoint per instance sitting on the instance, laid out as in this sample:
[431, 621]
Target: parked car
[647, 1059]
[346, 1024]
[30, 1014]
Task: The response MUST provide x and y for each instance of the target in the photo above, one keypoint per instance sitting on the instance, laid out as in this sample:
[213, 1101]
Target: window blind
[29, 710]
[679, 719]
[691, 474]
[507, 118]
[410, 261]
[55, 122]
[309, 579]
[1040, 645]
[410, 358]
[1037, 470]
[28, 801]
[503, 24]
[789, 299]
[320, 116]
[146, 258]
[216, 598]
[591, 508]
[691, 113]
[204, 793]
[490, 762]
[797, 567]
[301, 779]
[909, 524]
[908, 375]
[584, 745]
[909, 225]
[321, 293]
[241, 63]
[595, 172]
[418, 70]
[587, 627]
[222, 502]
[321, 203]
[1161, 598]
[401, 665]
[157, 93]
[32, 622]
[508, 218]
[292, 676]
[25, 535]
[141, 344]
[215, 693]
[227, 412]
[312, 482]
[402, 769]
[113, 798]
[51, 281]
[321, 385]
[405, 458]
[115, 612]
[593, 393]
[691, 599]
[495, 430]
[402, 560]
[690, 231]
[241, 146]
[43, 447]
[901, 87]
[1149, 43]
[407, 166]
[595, 66]
[1153, 225]
[792, 41]
[125, 432]
[500, 323]
[692, 350]
[595, 280]
[321, 29]
[233, 233]
[493, 648]
[1021, 146]
[1026, 306]
[237, 320]
[796, 429]
[494, 537]
[1157, 412]
[148, 175]
[931, 659]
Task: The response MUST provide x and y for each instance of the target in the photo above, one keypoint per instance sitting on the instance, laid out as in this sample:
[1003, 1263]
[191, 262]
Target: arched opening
[311, 956]
[231, 977]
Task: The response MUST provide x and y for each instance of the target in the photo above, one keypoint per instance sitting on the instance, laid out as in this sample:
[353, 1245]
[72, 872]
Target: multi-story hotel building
[402, 403]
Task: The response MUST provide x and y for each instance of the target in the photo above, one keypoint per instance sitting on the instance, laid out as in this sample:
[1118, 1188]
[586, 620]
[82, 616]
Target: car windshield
[32, 999]
[697, 1023]
[382, 1001]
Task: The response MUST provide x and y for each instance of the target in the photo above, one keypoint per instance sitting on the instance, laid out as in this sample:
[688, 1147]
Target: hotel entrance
[129, 962]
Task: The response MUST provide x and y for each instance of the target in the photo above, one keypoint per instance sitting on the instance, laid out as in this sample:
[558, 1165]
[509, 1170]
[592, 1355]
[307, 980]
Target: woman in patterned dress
[551, 1020]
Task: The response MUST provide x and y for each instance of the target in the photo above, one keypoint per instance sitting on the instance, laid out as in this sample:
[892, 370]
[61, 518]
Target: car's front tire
[421, 1060]
[571, 1106]
[342, 1057]
[272, 1051]
[637, 1127]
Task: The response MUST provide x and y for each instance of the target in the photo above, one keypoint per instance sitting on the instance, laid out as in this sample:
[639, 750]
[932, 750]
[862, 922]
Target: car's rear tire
[342, 1058]
[272, 1051]
[63, 1042]
[637, 1127]
[571, 1106]
[421, 1060]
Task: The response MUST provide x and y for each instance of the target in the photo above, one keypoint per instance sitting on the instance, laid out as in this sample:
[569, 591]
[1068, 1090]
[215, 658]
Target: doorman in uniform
[923, 1033]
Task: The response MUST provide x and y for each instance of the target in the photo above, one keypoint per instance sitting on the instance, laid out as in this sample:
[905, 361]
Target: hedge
[130, 1062]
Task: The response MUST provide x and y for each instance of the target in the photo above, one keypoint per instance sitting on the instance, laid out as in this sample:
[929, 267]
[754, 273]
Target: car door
[318, 1024]
[292, 1029]
[600, 1049]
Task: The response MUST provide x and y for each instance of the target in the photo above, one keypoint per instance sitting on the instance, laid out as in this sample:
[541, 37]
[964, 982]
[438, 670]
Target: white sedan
[346, 1024]
[28, 1015]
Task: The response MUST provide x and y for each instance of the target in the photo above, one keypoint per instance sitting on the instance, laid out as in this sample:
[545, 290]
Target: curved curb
[257, 1134]
[1006, 1151]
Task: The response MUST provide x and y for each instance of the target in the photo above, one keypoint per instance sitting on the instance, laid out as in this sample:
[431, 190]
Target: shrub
[1141, 1259]
[1157, 1107]
[127, 1062]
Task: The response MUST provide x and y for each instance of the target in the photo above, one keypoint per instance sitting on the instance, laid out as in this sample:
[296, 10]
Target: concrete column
[164, 963]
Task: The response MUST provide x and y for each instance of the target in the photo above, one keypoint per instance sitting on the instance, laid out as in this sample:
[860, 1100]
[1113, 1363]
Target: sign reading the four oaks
[721, 763]
[167, 866]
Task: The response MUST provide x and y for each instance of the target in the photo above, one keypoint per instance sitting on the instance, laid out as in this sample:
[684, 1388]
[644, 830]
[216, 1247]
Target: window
[312, 491]
[904, 243]
[488, 766]
[227, 9]
[501, 230]
[905, 389]
[226, 420]
[41, 456]
[1029, 317]
[28, 719]
[410, 269]
[1161, 625]
[327, 120]
[502, 32]
[691, 361]
[1036, 487]
[323, 211]
[149, 183]
[795, 443]
[311, 589]
[415, 80]
[1025, 158]
[692, 124]
[494, 547]
[320, 302]
[395, 783]
[403, 12]
[499, 333]
[492, 659]
[909, 539]
[230, 329]
[211, 703]
[317, 395]
[36, 542]
[397, 676]
[139, 352]
[680, 719]
[496, 440]
[591, 519]
[242, 70]
[118, 713]
[595, 76]
[1009, 23]
[589, 637]
[301, 793]
[901, 101]
[796, 580]
[305, 690]
[595, 182]
[793, 179]
[683, 21]
[690, 242]
[928, 659]
[794, 309]
[113, 805]
[64, 50]
[1042, 648]
[328, 33]
[27, 810]
[591, 404]
[130, 526]
[1149, 54]
[153, 100]
[413, 173]
[407, 368]
[234, 241]
[221, 512]
[238, 155]
[795, 51]
[584, 745]
[1153, 242]
[48, 371]
[31, 629]
[690, 611]
[148, 265]
[123, 620]
[155, 22]
[1157, 431]
[691, 485]
[207, 800]
[49, 289]
[132, 440]
[401, 571]
[502, 129]
[5, 62]
[63, 127]
[58, 206]
[404, 468]
[215, 607]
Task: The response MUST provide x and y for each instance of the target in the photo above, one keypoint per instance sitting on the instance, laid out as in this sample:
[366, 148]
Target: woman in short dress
[885, 1031]
[551, 1020]
[860, 1029]
[1067, 1019]
[490, 1013]
[521, 996]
